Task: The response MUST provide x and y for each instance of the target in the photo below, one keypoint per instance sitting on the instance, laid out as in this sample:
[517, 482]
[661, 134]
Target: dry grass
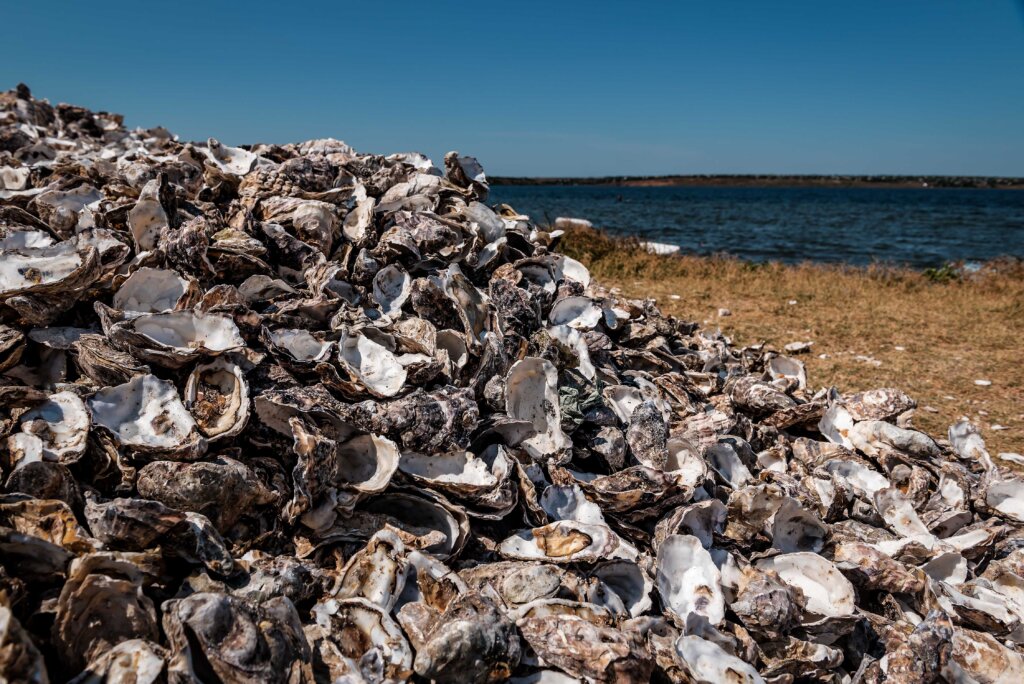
[951, 333]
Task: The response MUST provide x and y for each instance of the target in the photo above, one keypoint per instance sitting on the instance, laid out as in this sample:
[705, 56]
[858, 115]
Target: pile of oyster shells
[290, 413]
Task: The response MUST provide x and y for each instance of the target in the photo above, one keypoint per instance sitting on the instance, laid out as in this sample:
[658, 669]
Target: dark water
[918, 227]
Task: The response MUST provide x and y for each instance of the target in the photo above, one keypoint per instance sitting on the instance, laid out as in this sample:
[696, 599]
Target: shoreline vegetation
[776, 181]
[932, 334]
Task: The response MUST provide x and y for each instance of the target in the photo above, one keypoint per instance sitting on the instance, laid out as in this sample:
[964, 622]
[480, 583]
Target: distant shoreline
[761, 181]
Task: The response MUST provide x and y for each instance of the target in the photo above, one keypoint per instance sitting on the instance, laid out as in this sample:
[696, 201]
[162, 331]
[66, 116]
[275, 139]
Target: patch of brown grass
[952, 333]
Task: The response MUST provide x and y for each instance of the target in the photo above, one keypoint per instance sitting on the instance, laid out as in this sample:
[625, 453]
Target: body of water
[917, 227]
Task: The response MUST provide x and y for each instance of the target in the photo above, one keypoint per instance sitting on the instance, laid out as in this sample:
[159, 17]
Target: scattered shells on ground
[292, 413]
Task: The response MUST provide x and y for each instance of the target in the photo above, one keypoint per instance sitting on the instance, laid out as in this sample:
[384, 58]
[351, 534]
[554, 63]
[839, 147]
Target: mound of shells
[298, 414]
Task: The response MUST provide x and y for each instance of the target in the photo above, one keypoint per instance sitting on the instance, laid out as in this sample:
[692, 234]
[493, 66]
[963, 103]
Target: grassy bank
[930, 334]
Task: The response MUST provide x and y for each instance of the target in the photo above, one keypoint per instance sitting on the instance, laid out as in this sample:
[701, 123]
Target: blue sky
[557, 88]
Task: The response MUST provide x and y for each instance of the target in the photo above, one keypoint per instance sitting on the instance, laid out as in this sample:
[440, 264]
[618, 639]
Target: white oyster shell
[531, 394]
[377, 572]
[365, 631]
[188, 333]
[367, 462]
[829, 594]
[30, 263]
[688, 580]
[153, 290]
[836, 424]
[391, 287]
[56, 430]
[145, 412]
[565, 541]
[581, 313]
[301, 345]
[708, 663]
[785, 368]
[147, 219]
[373, 364]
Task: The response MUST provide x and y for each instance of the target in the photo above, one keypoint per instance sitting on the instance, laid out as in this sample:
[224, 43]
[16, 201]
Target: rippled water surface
[919, 227]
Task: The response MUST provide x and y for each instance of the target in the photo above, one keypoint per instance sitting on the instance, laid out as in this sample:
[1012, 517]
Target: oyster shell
[583, 649]
[363, 633]
[55, 430]
[372, 364]
[688, 580]
[155, 290]
[707, 663]
[564, 541]
[531, 394]
[217, 396]
[146, 414]
[827, 592]
[267, 641]
[173, 339]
